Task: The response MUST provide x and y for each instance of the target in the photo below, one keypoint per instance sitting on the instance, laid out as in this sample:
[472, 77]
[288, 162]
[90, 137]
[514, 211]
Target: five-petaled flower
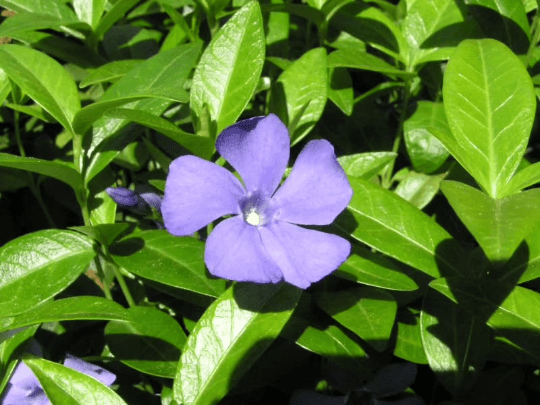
[261, 242]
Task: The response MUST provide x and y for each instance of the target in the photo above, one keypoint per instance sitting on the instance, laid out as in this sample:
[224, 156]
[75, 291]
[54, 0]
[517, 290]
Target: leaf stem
[123, 286]
[101, 275]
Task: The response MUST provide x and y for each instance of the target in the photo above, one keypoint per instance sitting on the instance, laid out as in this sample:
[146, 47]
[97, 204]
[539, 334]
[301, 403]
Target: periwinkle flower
[139, 202]
[24, 387]
[262, 241]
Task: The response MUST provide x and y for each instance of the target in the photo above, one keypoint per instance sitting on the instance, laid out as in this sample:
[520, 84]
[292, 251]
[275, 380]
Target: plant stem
[387, 176]
[31, 181]
[101, 275]
[124, 287]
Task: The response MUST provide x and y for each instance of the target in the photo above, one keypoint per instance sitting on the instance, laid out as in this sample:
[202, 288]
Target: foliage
[430, 106]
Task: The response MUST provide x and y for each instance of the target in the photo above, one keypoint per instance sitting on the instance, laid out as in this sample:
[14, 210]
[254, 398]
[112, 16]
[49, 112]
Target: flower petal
[317, 189]
[100, 374]
[303, 255]
[196, 193]
[234, 251]
[14, 395]
[258, 148]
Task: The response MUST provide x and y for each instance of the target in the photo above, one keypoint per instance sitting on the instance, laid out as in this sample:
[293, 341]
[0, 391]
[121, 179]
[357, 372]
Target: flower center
[257, 209]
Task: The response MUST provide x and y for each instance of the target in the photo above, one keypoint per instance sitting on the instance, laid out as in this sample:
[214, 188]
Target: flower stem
[34, 189]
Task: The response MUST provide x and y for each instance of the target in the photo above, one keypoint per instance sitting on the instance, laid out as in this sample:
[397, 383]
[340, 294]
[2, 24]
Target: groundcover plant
[312, 202]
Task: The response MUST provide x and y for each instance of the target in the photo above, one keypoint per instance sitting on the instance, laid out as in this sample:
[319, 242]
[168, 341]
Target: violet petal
[258, 148]
[100, 374]
[317, 189]
[304, 256]
[234, 251]
[196, 193]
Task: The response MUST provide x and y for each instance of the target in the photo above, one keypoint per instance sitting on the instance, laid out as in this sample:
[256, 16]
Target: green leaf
[67, 309]
[56, 8]
[116, 12]
[526, 177]
[229, 69]
[31, 21]
[498, 225]
[232, 333]
[454, 341]
[365, 165]
[161, 76]
[198, 145]
[367, 311]
[55, 170]
[89, 11]
[340, 90]
[337, 346]
[39, 265]
[105, 234]
[508, 16]
[490, 105]
[426, 152]
[511, 312]
[69, 387]
[149, 342]
[419, 188]
[383, 220]
[300, 94]
[525, 263]
[358, 59]
[366, 267]
[167, 259]
[409, 339]
[110, 72]
[44, 80]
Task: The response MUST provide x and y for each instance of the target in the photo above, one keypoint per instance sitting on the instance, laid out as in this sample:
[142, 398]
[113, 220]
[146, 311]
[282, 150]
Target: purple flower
[261, 243]
[139, 202]
[24, 388]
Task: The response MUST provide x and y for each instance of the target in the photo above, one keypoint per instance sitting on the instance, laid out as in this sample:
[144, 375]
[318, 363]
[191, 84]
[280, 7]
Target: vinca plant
[302, 202]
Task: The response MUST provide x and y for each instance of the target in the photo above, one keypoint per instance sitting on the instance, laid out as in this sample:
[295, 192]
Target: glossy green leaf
[511, 312]
[365, 165]
[340, 90]
[358, 59]
[232, 333]
[386, 222]
[525, 263]
[454, 341]
[149, 342]
[116, 12]
[498, 225]
[366, 267]
[526, 177]
[508, 16]
[433, 25]
[300, 94]
[69, 387]
[89, 11]
[67, 309]
[110, 72]
[337, 346]
[490, 105]
[419, 188]
[367, 311]
[229, 69]
[161, 76]
[44, 80]
[198, 145]
[111, 135]
[426, 152]
[55, 170]
[57, 8]
[39, 265]
[105, 234]
[30, 21]
[174, 261]
[409, 338]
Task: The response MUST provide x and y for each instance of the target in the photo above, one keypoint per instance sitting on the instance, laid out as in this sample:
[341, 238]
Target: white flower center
[252, 217]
